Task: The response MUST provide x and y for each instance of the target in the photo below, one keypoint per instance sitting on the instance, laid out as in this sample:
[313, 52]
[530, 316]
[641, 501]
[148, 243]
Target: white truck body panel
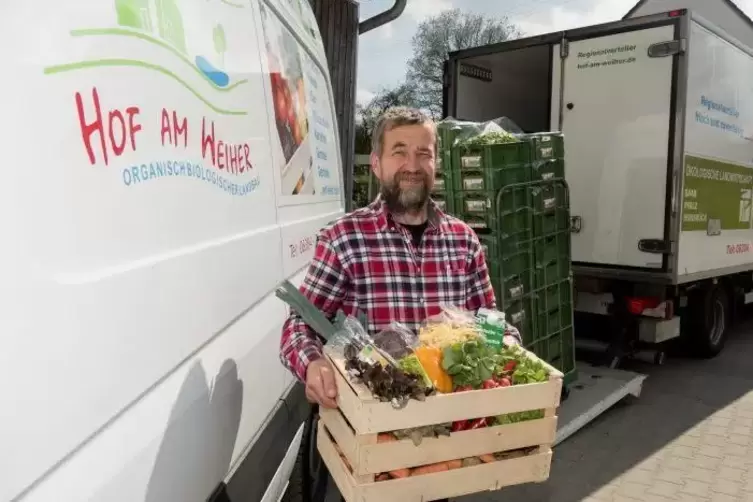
[717, 230]
[656, 147]
[140, 328]
[616, 152]
[723, 13]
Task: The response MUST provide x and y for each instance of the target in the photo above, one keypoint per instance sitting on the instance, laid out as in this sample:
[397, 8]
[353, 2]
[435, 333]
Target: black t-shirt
[417, 231]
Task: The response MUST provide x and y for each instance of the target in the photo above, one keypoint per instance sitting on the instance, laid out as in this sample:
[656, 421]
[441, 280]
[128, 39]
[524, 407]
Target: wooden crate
[353, 428]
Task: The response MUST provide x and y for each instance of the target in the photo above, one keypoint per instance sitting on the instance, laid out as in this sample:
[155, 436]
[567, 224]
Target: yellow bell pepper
[431, 360]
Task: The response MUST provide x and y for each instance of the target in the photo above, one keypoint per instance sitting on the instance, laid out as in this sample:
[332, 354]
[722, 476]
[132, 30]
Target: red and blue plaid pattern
[366, 262]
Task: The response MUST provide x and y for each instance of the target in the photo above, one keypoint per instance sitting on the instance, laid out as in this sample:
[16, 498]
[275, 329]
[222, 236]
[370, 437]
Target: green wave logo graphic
[101, 63]
[155, 41]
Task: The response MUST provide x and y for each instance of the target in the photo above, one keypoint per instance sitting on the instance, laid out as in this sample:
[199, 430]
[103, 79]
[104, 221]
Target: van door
[616, 114]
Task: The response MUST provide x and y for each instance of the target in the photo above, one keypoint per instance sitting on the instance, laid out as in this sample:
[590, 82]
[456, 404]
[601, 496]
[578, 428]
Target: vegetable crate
[515, 453]
[542, 153]
[541, 249]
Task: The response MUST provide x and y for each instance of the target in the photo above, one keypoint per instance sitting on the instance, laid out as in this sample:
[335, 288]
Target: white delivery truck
[657, 115]
[168, 164]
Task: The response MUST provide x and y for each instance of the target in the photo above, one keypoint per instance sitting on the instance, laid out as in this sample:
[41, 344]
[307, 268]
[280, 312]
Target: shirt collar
[437, 218]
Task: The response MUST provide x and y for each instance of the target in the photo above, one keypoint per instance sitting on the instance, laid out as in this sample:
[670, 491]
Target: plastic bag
[386, 363]
[499, 130]
[452, 325]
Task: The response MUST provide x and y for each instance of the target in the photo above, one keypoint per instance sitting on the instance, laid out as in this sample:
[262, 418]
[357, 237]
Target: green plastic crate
[490, 245]
[551, 222]
[549, 196]
[443, 182]
[504, 201]
[512, 285]
[546, 146]
[552, 260]
[508, 258]
[557, 349]
[554, 296]
[480, 211]
[445, 203]
[491, 179]
[521, 314]
[545, 170]
[491, 156]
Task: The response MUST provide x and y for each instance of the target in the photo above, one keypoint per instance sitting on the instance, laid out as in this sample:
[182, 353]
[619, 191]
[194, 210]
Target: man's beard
[406, 200]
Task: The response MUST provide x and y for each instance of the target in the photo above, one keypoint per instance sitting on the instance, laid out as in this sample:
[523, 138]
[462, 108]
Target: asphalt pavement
[689, 437]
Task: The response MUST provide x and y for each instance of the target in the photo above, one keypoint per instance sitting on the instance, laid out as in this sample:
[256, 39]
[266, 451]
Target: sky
[383, 52]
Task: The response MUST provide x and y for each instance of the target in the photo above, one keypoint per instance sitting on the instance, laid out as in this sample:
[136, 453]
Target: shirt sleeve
[324, 286]
[480, 293]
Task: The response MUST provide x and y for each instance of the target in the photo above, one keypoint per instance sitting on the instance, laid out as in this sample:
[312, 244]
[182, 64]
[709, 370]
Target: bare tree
[439, 35]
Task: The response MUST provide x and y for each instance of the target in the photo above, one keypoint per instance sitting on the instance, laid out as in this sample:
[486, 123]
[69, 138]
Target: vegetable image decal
[290, 103]
[160, 23]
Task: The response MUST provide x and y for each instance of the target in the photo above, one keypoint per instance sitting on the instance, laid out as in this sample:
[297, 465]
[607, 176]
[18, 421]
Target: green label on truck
[716, 195]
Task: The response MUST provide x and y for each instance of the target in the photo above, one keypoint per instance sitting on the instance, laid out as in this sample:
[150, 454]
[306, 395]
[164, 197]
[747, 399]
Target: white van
[168, 164]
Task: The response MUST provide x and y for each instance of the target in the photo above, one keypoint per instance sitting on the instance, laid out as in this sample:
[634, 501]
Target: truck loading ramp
[595, 391]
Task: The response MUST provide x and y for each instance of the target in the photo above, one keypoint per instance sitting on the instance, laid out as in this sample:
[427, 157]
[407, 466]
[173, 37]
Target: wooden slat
[343, 479]
[486, 477]
[459, 482]
[382, 417]
[341, 433]
[385, 457]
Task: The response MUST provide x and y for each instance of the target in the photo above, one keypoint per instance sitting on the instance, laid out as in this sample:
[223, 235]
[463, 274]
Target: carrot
[400, 473]
[430, 469]
[454, 464]
[487, 458]
[386, 437]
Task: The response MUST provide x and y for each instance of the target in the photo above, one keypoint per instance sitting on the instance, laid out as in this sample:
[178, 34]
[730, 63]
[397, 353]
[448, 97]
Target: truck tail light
[636, 305]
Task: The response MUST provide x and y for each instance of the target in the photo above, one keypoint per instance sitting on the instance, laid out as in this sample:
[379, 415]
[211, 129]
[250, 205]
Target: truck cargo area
[519, 88]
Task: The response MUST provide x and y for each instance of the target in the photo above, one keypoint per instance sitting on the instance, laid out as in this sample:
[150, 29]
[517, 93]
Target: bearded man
[400, 259]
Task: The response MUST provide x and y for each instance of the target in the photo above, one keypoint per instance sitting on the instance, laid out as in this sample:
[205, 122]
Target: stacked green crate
[443, 181]
[552, 278]
[492, 196]
[510, 194]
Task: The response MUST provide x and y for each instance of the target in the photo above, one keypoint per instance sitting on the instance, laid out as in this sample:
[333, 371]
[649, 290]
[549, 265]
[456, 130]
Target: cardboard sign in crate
[353, 431]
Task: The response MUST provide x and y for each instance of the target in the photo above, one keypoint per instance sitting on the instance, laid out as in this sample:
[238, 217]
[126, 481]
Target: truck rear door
[617, 109]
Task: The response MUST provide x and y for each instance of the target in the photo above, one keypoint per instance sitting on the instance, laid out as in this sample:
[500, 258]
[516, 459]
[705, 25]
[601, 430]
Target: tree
[367, 116]
[441, 34]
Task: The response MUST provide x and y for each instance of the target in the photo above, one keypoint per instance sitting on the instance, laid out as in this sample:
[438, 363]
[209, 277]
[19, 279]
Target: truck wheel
[309, 479]
[709, 320]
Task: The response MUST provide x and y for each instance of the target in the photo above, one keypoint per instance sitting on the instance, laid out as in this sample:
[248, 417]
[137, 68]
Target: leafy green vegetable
[411, 365]
[490, 138]
[527, 370]
[521, 416]
[470, 363]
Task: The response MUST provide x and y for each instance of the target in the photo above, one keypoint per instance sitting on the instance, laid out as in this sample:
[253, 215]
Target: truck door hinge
[655, 246]
[670, 48]
[564, 48]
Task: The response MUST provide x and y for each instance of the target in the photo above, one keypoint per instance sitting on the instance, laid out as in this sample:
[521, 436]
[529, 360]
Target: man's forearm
[298, 347]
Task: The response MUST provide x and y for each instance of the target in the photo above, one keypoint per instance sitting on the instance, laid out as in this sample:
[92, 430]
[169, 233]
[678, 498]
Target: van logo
[160, 23]
[211, 150]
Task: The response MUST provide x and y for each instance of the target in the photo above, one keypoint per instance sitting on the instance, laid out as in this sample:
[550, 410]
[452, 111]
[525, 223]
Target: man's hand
[320, 383]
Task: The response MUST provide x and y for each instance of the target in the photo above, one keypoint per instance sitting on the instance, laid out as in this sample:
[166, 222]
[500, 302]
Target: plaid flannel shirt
[365, 261]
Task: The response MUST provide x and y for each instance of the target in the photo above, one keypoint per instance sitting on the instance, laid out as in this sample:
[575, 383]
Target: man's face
[406, 167]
